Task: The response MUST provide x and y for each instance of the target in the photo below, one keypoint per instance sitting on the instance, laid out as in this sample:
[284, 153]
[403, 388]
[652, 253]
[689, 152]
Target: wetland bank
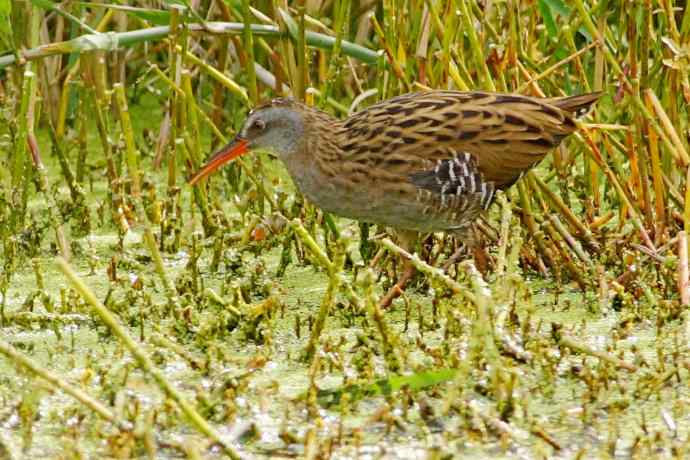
[144, 318]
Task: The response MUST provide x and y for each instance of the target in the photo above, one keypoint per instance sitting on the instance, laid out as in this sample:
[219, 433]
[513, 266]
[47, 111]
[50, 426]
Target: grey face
[275, 129]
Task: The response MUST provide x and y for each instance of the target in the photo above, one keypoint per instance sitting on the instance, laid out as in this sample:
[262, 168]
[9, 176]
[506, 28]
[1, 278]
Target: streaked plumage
[428, 161]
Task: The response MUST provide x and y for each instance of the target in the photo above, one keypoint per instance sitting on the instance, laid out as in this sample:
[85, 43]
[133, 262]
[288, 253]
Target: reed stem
[144, 361]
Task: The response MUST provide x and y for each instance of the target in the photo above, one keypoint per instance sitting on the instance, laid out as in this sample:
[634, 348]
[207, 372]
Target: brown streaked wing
[507, 134]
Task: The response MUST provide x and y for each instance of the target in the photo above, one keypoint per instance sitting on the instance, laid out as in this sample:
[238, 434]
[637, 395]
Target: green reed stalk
[564, 210]
[578, 347]
[506, 214]
[569, 239]
[334, 270]
[63, 104]
[135, 176]
[475, 45]
[439, 26]
[82, 142]
[324, 261]
[53, 208]
[191, 128]
[226, 81]
[397, 69]
[514, 44]
[220, 136]
[223, 46]
[143, 359]
[101, 109]
[657, 179]
[643, 127]
[301, 82]
[389, 340]
[150, 242]
[248, 43]
[54, 380]
[594, 153]
[128, 132]
[550, 70]
[175, 53]
[679, 152]
[528, 217]
[565, 256]
[676, 145]
[20, 179]
[199, 193]
[110, 42]
[340, 26]
[433, 272]
[483, 341]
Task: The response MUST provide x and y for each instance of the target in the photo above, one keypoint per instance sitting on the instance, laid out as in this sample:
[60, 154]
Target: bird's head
[276, 127]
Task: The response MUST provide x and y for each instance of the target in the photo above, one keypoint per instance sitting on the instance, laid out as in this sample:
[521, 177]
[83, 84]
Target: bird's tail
[577, 105]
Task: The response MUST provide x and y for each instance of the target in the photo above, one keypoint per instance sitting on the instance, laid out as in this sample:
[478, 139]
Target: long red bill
[228, 153]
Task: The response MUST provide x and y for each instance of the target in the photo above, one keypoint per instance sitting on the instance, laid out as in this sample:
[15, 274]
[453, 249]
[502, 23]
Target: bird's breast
[376, 196]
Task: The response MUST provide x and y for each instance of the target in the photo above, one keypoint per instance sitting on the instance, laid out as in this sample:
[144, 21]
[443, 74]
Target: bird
[418, 163]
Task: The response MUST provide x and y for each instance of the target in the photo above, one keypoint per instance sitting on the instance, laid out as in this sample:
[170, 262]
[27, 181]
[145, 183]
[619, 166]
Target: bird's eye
[259, 125]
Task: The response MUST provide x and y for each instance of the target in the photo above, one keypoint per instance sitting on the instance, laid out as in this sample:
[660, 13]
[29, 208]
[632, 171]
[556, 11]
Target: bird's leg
[406, 240]
[482, 259]
[471, 246]
[459, 253]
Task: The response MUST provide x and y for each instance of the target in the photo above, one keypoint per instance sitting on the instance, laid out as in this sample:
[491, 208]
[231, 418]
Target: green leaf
[383, 387]
[154, 16]
[547, 8]
[549, 22]
[6, 41]
[45, 4]
[561, 53]
[51, 6]
[237, 4]
[558, 6]
[292, 27]
[5, 8]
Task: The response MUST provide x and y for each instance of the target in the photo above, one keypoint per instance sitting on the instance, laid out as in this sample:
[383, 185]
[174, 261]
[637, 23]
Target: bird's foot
[397, 289]
[459, 254]
[482, 260]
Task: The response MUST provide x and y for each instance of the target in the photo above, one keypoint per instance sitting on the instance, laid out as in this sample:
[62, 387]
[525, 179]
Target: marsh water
[249, 381]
